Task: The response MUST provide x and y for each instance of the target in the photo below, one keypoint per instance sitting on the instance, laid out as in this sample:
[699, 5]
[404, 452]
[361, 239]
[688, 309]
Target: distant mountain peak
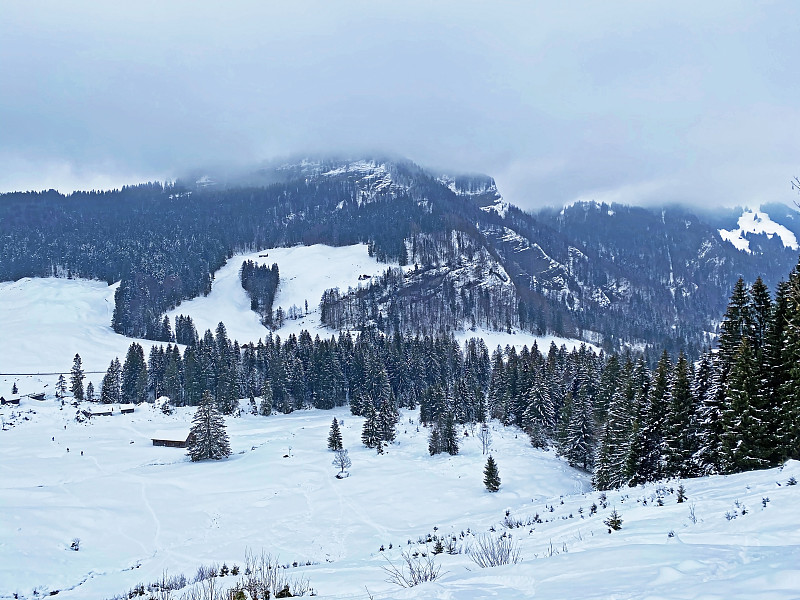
[756, 222]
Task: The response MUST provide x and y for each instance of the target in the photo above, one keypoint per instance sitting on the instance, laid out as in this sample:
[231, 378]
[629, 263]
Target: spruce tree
[578, 446]
[209, 438]
[110, 389]
[789, 397]
[680, 427]
[76, 378]
[491, 476]
[90, 392]
[704, 390]
[744, 438]
[61, 386]
[134, 375]
[449, 437]
[265, 408]
[648, 446]
[335, 436]
[370, 435]
[387, 419]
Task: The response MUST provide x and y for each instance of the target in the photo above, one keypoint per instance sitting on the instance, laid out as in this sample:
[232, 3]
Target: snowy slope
[140, 510]
[46, 321]
[757, 222]
[305, 273]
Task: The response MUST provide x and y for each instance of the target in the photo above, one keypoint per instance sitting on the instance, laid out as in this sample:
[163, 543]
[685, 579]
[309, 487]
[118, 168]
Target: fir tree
[209, 438]
[14, 389]
[134, 375]
[335, 436]
[449, 437]
[370, 435]
[680, 427]
[744, 436]
[388, 416]
[265, 408]
[76, 378]
[110, 389]
[491, 476]
[578, 445]
[710, 406]
[61, 386]
[90, 392]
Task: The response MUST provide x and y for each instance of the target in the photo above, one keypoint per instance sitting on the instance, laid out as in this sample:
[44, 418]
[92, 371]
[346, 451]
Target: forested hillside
[613, 275]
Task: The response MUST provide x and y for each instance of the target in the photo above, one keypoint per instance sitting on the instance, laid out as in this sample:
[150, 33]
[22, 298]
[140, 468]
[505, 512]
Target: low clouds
[642, 102]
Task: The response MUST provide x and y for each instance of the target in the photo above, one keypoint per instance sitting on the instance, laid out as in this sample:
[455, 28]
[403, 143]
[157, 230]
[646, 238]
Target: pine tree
[578, 445]
[435, 440]
[134, 375]
[14, 389]
[265, 408]
[744, 438]
[491, 476]
[680, 427]
[388, 416]
[61, 386]
[76, 378]
[710, 405]
[648, 446]
[90, 392]
[110, 389]
[370, 436]
[449, 437]
[209, 438]
[335, 436]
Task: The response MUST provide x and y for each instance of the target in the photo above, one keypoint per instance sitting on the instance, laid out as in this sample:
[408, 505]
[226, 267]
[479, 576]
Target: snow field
[305, 273]
[139, 510]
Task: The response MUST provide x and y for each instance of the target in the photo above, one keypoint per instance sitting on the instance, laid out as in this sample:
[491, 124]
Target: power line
[57, 373]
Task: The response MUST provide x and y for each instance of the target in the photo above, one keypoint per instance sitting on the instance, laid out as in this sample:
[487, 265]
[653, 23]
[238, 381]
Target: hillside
[733, 537]
[612, 275]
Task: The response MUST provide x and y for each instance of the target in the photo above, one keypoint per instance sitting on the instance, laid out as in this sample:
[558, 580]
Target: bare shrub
[490, 551]
[416, 568]
[264, 577]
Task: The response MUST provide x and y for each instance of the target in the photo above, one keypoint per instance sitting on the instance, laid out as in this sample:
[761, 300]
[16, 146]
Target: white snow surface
[305, 273]
[140, 510]
[45, 322]
[757, 222]
[518, 339]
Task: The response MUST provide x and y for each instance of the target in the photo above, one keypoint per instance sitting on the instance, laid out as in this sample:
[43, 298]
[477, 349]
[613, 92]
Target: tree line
[620, 416]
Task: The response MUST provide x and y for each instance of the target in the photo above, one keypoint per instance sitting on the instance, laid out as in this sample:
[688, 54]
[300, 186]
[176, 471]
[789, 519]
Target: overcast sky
[639, 102]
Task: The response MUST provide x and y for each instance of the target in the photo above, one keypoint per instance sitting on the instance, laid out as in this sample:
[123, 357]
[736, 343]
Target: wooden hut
[174, 438]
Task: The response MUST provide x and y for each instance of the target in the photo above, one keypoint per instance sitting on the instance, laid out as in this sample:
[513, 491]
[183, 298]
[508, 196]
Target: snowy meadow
[91, 509]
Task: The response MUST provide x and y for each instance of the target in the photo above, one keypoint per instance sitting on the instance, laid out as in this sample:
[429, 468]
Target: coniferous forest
[619, 416]
[613, 275]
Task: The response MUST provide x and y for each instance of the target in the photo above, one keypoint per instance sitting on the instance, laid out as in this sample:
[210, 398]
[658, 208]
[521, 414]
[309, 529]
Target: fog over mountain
[630, 102]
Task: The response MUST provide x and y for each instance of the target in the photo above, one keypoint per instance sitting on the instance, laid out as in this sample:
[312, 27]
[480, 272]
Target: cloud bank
[628, 101]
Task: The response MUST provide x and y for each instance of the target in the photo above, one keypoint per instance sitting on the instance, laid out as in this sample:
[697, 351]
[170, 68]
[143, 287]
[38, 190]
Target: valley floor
[141, 510]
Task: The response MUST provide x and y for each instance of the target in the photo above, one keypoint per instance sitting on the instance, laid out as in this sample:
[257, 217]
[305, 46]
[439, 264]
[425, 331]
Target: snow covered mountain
[612, 275]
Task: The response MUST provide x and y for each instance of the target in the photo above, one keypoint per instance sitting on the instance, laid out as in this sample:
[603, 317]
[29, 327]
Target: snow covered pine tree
[209, 438]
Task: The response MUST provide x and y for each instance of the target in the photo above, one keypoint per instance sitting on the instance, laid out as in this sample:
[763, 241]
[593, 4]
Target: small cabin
[126, 409]
[37, 396]
[12, 400]
[176, 438]
[99, 410]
